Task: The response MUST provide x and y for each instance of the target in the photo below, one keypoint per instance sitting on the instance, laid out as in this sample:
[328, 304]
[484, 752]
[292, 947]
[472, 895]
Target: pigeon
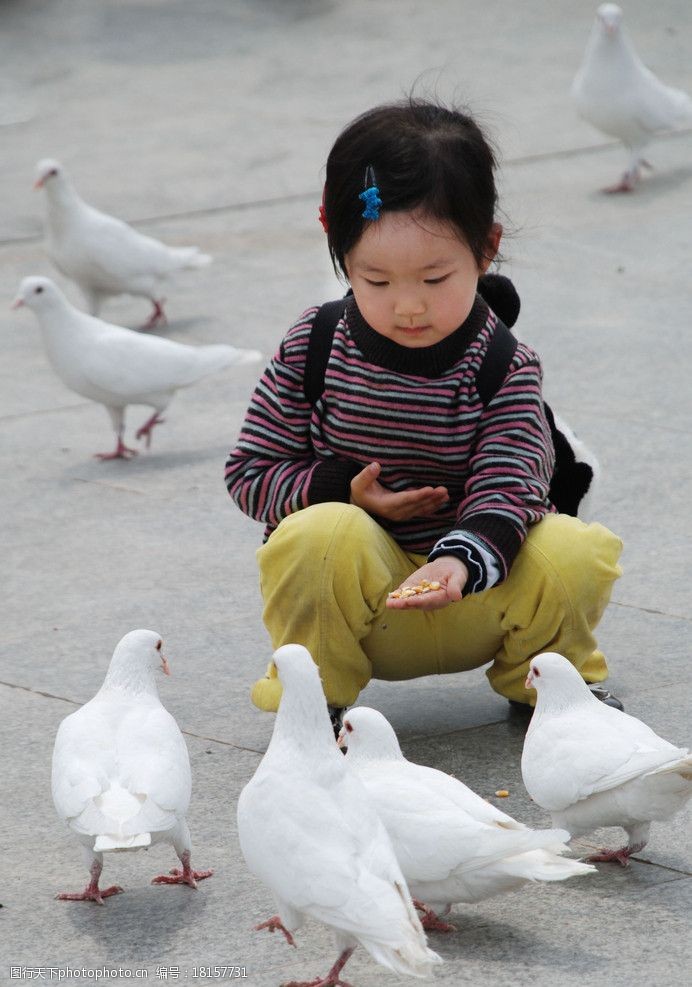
[308, 830]
[121, 771]
[116, 366]
[452, 845]
[102, 254]
[615, 92]
[591, 765]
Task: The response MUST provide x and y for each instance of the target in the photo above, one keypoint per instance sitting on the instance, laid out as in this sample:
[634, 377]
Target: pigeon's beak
[17, 303]
[529, 681]
[165, 667]
[341, 739]
[609, 27]
[39, 183]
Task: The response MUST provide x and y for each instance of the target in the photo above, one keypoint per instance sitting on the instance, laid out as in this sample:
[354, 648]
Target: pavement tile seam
[682, 875]
[111, 486]
[572, 152]
[74, 702]
[583, 846]
[651, 610]
[44, 411]
[653, 426]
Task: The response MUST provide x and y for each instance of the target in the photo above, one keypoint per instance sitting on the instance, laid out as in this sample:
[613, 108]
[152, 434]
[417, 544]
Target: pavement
[208, 123]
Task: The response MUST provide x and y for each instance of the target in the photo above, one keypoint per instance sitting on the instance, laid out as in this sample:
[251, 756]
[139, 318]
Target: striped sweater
[417, 412]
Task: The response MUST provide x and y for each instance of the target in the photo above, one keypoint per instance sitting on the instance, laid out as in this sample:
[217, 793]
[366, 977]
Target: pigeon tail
[682, 107]
[413, 958]
[669, 787]
[121, 820]
[218, 356]
[683, 768]
[509, 844]
[542, 865]
[105, 842]
[190, 258]
[410, 956]
[502, 876]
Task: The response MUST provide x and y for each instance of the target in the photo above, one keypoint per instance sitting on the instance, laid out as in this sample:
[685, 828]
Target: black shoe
[607, 698]
[336, 715]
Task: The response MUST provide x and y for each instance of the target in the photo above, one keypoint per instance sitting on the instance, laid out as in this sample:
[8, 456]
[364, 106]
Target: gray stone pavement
[208, 122]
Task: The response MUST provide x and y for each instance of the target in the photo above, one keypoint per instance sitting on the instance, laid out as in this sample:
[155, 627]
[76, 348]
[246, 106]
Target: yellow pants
[326, 571]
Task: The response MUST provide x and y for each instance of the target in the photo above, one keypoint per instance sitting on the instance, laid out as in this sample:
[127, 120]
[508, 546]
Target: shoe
[266, 692]
[336, 714]
[607, 698]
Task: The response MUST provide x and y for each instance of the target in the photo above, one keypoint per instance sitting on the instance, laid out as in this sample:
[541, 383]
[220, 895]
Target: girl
[399, 473]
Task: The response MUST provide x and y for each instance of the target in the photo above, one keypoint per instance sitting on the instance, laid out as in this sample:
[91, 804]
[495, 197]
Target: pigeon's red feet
[121, 452]
[621, 856]
[145, 430]
[430, 921]
[327, 981]
[331, 980]
[274, 923]
[627, 183]
[185, 876]
[91, 893]
[158, 315]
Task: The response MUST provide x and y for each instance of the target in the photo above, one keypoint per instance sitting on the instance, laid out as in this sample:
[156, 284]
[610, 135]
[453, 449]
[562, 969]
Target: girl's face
[414, 280]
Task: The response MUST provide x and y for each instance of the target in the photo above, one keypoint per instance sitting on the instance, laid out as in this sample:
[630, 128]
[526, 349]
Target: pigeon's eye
[52, 172]
[39, 290]
[158, 646]
[536, 673]
[349, 728]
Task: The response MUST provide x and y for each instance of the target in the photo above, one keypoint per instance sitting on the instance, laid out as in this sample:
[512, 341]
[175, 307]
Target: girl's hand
[449, 571]
[369, 494]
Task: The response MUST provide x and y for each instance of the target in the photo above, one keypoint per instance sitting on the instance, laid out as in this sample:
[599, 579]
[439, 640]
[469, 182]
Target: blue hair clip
[370, 196]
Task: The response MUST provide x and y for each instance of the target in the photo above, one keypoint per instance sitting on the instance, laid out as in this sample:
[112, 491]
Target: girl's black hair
[424, 156]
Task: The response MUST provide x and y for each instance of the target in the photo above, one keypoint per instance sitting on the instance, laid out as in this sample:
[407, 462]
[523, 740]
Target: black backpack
[571, 478]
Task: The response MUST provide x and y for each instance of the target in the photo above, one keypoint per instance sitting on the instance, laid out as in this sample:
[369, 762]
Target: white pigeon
[307, 829]
[102, 254]
[591, 765]
[615, 92]
[451, 844]
[116, 366]
[121, 771]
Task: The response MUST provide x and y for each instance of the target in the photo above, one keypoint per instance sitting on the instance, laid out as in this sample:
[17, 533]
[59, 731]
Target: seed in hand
[424, 586]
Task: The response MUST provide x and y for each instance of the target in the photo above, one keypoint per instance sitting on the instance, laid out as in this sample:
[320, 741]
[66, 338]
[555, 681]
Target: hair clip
[370, 195]
[322, 213]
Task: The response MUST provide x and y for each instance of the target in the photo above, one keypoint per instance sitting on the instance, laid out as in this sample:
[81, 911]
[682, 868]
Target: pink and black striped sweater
[417, 412]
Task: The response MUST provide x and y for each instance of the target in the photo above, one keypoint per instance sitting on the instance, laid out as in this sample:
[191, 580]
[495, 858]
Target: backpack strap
[493, 369]
[319, 348]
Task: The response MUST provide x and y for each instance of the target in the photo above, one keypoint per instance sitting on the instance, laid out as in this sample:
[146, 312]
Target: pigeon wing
[570, 757]
[117, 255]
[447, 840]
[460, 795]
[82, 760]
[324, 851]
[131, 366]
[155, 760]
[660, 107]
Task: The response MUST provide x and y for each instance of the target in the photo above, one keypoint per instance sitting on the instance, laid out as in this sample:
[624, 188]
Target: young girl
[399, 474]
